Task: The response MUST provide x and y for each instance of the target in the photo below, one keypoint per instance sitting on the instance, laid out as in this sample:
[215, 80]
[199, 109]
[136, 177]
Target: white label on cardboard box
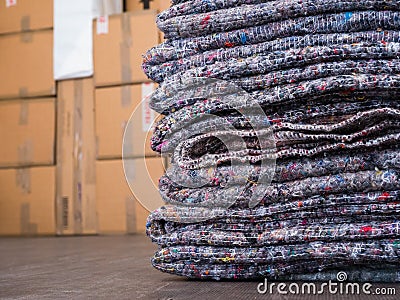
[10, 3]
[148, 114]
[102, 25]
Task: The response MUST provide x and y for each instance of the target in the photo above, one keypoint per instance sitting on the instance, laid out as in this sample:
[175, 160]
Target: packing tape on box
[25, 23]
[126, 96]
[25, 152]
[24, 113]
[77, 207]
[77, 151]
[23, 180]
[23, 92]
[130, 214]
[89, 170]
[26, 226]
[26, 37]
[129, 166]
[97, 145]
[65, 212]
[63, 128]
[128, 140]
[125, 49]
[61, 223]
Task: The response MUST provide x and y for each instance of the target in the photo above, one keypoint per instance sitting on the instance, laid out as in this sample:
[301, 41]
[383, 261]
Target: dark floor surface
[108, 267]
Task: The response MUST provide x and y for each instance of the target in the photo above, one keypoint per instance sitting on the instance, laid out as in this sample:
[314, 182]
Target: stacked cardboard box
[47, 164]
[120, 88]
[157, 5]
[25, 15]
[76, 210]
[76, 156]
[61, 167]
[27, 113]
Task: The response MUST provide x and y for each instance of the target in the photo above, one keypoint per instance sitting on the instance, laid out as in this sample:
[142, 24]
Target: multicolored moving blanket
[207, 262]
[297, 175]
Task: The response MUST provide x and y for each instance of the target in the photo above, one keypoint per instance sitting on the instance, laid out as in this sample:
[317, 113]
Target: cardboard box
[76, 155]
[26, 61]
[25, 15]
[114, 107]
[158, 5]
[117, 207]
[27, 201]
[27, 131]
[119, 44]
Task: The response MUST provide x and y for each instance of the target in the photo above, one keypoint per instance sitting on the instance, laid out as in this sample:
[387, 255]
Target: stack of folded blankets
[324, 79]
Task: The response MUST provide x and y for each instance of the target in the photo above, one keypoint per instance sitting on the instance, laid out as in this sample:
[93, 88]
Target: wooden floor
[115, 267]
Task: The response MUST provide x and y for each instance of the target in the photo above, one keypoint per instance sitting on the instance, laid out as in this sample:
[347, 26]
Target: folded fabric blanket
[312, 144]
[304, 271]
[260, 194]
[169, 97]
[297, 234]
[325, 90]
[283, 126]
[190, 117]
[344, 216]
[186, 127]
[188, 7]
[275, 60]
[169, 217]
[273, 261]
[287, 30]
[365, 40]
[287, 169]
[223, 20]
